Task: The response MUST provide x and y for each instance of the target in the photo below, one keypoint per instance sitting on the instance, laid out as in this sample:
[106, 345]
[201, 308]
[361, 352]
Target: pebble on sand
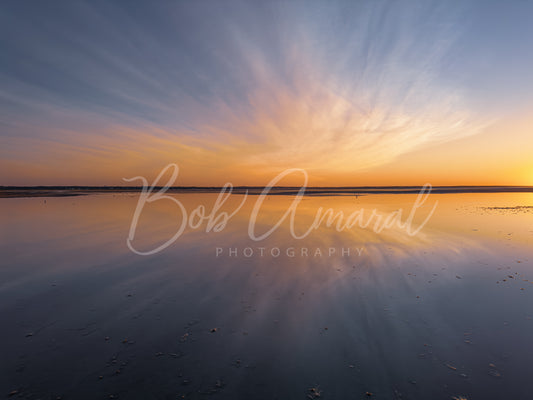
[314, 393]
[493, 371]
[451, 367]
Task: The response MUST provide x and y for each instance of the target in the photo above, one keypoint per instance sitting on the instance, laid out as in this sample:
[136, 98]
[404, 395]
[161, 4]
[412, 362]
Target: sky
[356, 92]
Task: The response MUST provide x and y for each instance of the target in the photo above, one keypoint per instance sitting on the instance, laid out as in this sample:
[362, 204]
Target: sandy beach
[443, 314]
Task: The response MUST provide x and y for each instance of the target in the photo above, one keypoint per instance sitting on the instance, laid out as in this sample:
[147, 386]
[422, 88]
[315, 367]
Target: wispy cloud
[327, 87]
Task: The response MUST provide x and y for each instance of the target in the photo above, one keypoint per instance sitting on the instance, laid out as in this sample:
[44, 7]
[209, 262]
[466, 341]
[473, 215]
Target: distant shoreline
[63, 191]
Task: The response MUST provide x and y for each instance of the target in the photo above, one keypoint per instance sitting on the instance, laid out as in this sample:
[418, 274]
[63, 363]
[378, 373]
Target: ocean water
[356, 312]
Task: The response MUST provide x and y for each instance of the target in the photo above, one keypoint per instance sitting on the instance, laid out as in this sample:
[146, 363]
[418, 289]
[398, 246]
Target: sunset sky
[356, 92]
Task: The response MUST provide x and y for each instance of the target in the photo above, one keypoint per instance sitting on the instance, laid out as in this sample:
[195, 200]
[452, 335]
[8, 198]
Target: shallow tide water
[336, 315]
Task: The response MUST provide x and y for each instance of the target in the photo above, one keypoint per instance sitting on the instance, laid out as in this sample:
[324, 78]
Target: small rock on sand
[451, 367]
[493, 371]
[314, 393]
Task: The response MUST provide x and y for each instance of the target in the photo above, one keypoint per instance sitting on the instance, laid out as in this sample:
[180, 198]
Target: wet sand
[444, 314]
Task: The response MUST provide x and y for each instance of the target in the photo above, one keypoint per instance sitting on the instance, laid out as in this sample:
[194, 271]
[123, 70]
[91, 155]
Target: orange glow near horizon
[107, 156]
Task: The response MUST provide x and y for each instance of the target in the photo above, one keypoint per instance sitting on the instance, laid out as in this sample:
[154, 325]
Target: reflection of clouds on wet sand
[371, 322]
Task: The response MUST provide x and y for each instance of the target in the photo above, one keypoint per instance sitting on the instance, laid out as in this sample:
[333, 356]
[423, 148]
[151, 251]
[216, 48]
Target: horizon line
[66, 191]
[108, 187]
